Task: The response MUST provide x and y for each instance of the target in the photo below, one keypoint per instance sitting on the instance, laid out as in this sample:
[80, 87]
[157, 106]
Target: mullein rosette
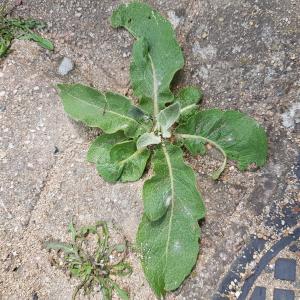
[160, 128]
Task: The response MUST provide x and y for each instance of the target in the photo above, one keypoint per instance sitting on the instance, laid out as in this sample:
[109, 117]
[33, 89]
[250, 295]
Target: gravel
[241, 53]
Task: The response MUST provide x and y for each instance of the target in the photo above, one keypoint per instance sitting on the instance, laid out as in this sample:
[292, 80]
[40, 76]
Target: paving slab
[244, 55]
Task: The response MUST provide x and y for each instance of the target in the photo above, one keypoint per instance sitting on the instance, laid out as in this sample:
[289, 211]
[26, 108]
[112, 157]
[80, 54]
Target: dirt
[243, 54]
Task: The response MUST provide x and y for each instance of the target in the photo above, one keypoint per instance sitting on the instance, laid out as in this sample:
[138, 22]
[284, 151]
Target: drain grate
[284, 271]
[274, 275]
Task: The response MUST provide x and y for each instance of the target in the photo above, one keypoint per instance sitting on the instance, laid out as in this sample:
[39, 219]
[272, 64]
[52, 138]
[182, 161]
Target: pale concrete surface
[244, 54]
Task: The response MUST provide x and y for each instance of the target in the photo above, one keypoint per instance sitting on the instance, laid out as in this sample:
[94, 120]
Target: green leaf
[72, 231]
[120, 248]
[131, 162]
[236, 135]
[147, 139]
[4, 46]
[121, 293]
[106, 293]
[122, 269]
[110, 112]
[102, 145]
[17, 28]
[146, 104]
[67, 248]
[195, 146]
[85, 230]
[31, 36]
[167, 117]
[156, 53]
[99, 153]
[117, 158]
[168, 234]
[188, 97]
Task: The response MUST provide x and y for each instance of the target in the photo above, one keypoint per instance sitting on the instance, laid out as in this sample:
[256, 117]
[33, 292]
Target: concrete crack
[38, 194]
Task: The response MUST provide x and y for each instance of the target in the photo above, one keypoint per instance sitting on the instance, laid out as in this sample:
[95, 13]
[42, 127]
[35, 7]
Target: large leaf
[99, 153]
[117, 159]
[156, 53]
[169, 233]
[131, 161]
[110, 112]
[236, 135]
[188, 97]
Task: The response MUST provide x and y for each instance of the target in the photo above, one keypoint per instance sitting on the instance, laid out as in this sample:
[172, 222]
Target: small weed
[17, 28]
[93, 264]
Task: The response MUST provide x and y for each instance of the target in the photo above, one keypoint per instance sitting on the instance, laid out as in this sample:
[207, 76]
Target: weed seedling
[94, 267]
[17, 28]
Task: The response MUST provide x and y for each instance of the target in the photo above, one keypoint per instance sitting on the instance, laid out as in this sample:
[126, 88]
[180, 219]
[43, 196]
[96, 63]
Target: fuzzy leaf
[147, 139]
[167, 117]
[188, 97]
[168, 234]
[240, 137]
[156, 53]
[67, 248]
[110, 112]
[131, 161]
[99, 153]
[118, 159]
[195, 147]
[102, 145]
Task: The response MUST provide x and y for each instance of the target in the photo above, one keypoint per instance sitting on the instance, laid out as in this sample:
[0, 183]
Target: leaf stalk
[216, 174]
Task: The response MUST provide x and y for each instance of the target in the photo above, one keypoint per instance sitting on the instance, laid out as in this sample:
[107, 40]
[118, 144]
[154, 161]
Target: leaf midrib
[122, 162]
[155, 88]
[172, 201]
[206, 140]
[155, 83]
[105, 110]
[188, 107]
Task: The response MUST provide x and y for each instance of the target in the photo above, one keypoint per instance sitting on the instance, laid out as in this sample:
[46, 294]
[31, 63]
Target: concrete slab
[244, 56]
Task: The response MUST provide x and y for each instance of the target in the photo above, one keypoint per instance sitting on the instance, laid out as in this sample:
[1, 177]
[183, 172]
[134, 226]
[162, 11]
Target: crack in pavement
[45, 183]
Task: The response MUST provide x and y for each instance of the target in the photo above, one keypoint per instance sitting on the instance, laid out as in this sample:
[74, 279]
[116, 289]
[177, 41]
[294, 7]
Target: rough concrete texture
[243, 53]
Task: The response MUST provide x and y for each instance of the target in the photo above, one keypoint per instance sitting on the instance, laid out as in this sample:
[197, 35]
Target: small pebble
[30, 166]
[204, 35]
[2, 93]
[260, 236]
[2, 154]
[65, 66]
